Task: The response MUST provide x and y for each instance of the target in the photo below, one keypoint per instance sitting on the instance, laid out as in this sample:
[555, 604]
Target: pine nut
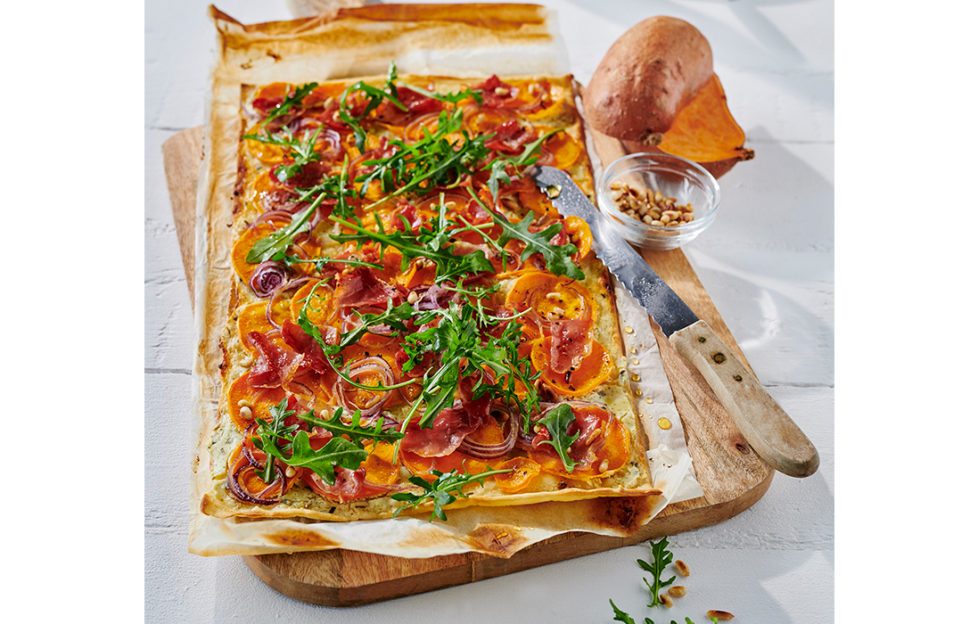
[640, 205]
[723, 616]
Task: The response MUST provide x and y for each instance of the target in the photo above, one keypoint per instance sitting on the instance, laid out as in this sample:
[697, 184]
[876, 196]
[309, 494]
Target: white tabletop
[767, 262]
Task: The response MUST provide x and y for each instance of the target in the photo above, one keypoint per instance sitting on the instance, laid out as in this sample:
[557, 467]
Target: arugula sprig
[333, 187]
[557, 421]
[375, 96]
[274, 246]
[465, 349]
[559, 258]
[661, 557]
[621, 616]
[432, 161]
[443, 491]
[291, 445]
[302, 151]
[353, 430]
[290, 101]
[451, 98]
[498, 168]
[430, 244]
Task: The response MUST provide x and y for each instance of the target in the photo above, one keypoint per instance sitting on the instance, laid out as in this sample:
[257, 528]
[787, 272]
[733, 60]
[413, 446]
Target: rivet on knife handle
[766, 427]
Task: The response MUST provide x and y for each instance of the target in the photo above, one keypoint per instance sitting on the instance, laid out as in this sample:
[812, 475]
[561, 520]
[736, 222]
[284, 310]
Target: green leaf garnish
[291, 446]
[273, 246]
[557, 421]
[557, 257]
[375, 97]
[271, 432]
[443, 491]
[661, 557]
[302, 151]
[337, 452]
[452, 98]
[293, 100]
[621, 616]
[353, 430]
[498, 168]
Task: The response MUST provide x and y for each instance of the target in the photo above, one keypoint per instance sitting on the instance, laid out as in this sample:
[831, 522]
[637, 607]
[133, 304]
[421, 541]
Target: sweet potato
[646, 77]
[704, 131]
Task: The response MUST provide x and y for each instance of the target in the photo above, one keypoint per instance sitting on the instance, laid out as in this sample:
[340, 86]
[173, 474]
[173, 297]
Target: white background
[768, 263]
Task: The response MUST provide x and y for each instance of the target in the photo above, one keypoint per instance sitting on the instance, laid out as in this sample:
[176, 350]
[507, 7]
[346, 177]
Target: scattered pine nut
[666, 600]
[722, 616]
[682, 567]
[677, 591]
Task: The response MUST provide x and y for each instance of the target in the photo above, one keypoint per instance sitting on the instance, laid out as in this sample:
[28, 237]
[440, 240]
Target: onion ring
[261, 498]
[271, 215]
[491, 451]
[267, 278]
[372, 364]
[284, 288]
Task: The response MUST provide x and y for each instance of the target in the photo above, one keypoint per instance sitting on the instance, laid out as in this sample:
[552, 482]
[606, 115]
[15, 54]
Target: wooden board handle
[775, 437]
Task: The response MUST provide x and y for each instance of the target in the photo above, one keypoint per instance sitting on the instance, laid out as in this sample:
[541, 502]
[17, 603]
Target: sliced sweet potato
[704, 131]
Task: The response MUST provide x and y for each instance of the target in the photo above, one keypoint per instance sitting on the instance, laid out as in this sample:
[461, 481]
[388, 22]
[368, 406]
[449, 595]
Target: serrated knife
[766, 427]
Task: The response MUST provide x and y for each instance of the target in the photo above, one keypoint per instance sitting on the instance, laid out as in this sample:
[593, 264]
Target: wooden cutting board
[732, 476]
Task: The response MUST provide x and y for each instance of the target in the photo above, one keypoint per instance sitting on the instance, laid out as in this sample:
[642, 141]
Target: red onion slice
[271, 215]
[302, 393]
[367, 366]
[262, 498]
[273, 299]
[267, 278]
[491, 451]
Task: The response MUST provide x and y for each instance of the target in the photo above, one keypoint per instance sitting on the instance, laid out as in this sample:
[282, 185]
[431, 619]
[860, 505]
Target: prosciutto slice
[360, 287]
[448, 429]
[304, 344]
[349, 485]
[274, 365]
[570, 344]
[510, 138]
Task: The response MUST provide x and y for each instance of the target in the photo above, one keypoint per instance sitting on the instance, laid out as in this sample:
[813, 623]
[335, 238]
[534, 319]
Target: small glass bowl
[675, 177]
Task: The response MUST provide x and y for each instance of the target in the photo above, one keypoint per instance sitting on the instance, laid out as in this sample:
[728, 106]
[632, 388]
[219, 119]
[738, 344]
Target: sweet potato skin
[646, 77]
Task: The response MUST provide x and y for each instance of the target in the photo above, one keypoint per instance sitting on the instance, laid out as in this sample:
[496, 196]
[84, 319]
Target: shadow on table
[768, 261]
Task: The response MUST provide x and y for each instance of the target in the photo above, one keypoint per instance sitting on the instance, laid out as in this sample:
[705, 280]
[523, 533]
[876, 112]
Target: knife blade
[764, 424]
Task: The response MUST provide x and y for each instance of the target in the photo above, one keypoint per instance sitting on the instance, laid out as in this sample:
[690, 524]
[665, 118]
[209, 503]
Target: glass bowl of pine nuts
[658, 201]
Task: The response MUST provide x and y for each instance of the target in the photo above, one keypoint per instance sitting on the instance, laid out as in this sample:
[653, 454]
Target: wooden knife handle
[766, 427]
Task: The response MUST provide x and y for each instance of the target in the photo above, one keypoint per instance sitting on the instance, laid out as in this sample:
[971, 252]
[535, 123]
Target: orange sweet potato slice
[380, 464]
[524, 472]
[603, 458]
[253, 318]
[704, 131]
[593, 370]
[258, 401]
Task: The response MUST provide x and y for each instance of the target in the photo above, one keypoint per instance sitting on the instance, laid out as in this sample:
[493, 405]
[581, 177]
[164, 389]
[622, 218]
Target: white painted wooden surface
[767, 262]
